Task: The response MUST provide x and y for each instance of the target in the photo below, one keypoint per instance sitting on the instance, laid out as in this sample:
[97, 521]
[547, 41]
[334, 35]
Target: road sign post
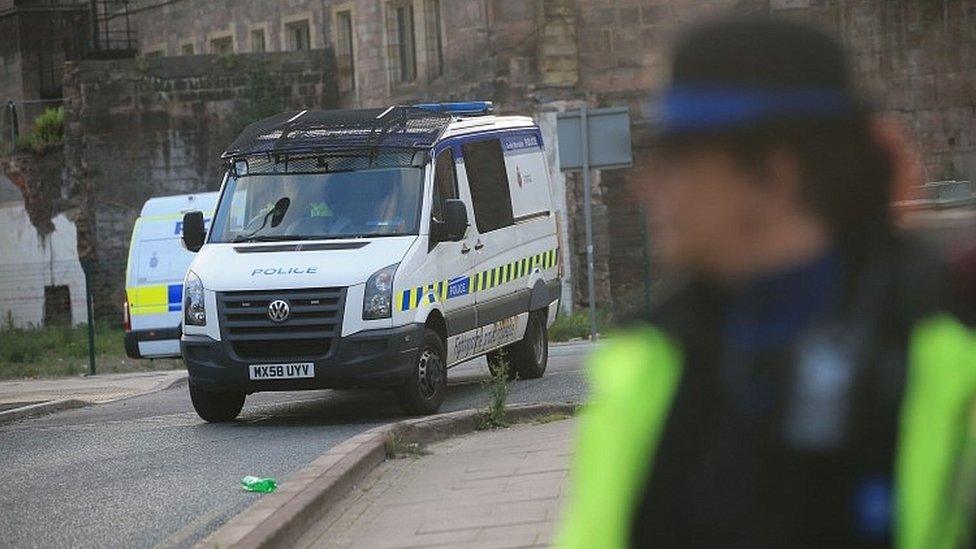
[599, 139]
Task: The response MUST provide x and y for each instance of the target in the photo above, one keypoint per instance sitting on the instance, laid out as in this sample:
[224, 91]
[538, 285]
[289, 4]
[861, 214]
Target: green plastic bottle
[255, 484]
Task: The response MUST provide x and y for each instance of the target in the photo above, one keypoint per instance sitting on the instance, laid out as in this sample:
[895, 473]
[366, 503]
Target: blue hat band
[691, 109]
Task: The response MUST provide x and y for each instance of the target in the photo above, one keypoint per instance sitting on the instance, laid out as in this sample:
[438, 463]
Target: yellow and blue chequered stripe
[443, 290]
[155, 299]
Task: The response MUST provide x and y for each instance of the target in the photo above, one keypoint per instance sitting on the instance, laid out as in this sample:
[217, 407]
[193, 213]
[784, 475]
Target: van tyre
[423, 392]
[216, 406]
[528, 358]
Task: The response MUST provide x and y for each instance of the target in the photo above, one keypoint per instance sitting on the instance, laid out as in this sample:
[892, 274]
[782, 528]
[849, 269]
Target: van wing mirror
[194, 232]
[455, 223]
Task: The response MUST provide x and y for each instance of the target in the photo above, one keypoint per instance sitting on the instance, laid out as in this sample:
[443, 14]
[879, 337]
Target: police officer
[800, 383]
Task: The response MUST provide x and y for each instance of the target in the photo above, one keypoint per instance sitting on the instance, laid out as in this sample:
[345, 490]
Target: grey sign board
[608, 132]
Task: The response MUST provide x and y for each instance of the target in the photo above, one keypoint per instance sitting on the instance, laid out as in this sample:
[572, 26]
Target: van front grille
[314, 321]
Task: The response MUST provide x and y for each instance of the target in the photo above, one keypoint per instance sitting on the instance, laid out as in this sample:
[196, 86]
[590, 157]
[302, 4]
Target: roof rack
[308, 131]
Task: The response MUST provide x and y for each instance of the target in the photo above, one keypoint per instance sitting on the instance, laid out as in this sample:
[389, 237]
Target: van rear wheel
[216, 406]
[423, 392]
[528, 358]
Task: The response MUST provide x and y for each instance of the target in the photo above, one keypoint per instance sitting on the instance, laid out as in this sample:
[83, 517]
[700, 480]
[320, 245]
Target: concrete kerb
[41, 408]
[176, 382]
[279, 519]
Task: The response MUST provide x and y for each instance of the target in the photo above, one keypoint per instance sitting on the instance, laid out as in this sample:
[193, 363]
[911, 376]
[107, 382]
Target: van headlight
[378, 299]
[194, 310]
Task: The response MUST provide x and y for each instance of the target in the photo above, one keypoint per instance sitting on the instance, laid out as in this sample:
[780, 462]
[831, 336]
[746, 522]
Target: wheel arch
[540, 298]
[436, 322]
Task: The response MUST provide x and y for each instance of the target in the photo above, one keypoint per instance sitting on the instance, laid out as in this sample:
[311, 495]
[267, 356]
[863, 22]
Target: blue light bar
[466, 108]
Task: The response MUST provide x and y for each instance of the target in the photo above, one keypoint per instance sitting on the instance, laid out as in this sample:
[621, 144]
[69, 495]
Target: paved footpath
[501, 488]
[96, 389]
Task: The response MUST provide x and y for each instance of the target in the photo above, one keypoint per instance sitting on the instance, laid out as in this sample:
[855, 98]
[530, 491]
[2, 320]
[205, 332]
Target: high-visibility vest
[634, 379]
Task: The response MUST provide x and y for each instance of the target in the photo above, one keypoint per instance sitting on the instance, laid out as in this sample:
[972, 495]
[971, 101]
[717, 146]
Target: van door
[454, 261]
[500, 292]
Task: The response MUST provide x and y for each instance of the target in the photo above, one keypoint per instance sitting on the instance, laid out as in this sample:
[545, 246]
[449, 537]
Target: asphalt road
[147, 472]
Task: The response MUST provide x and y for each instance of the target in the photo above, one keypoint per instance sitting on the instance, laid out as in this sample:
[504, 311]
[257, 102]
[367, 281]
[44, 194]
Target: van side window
[484, 163]
[445, 182]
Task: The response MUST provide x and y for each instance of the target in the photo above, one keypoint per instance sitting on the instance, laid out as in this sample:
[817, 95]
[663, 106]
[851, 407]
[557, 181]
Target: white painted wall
[28, 264]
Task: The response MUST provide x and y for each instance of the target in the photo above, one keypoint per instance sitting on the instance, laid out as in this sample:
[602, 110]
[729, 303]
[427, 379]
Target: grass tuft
[551, 418]
[576, 325]
[494, 416]
[55, 351]
[397, 448]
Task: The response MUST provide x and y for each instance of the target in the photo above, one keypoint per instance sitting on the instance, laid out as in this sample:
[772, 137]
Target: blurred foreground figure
[802, 384]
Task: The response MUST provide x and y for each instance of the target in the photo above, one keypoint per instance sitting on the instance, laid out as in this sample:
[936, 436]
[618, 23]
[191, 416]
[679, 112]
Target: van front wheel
[216, 407]
[423, 392]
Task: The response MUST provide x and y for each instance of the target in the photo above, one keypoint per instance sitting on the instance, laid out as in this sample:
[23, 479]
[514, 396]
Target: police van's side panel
[512, 260]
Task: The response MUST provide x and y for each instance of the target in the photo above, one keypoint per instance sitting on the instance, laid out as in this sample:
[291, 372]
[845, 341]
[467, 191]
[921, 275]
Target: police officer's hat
[739, 73]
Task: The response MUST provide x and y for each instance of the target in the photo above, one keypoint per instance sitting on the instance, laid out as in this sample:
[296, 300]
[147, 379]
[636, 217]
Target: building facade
[916, 58]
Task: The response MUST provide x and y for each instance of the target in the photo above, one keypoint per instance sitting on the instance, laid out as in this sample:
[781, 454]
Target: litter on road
[257, 484]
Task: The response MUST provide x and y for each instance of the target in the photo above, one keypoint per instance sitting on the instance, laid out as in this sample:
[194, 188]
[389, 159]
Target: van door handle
[479, 245]
[465, 249]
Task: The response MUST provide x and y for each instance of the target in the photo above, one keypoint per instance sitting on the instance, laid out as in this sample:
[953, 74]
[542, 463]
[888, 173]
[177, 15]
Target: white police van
[154, 275]
[371, 248]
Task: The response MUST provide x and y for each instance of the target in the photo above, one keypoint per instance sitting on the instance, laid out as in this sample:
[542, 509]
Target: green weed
[577, 325]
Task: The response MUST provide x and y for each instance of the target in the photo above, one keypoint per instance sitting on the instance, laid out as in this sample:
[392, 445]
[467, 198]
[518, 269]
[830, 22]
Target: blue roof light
[466, 108]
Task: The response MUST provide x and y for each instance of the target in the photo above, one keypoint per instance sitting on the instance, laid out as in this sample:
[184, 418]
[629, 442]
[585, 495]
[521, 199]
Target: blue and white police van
[371, 248]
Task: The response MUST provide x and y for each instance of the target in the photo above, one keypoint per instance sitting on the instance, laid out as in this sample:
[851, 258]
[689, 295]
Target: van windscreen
[351, 204]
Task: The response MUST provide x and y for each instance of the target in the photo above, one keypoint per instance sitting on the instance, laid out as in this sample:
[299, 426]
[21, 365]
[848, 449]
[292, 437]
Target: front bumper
[373, 358]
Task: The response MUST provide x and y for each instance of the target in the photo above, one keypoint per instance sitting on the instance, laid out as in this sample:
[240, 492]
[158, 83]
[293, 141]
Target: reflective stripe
[483, 280]
[934, 468]
[155, 299]
[634, 378]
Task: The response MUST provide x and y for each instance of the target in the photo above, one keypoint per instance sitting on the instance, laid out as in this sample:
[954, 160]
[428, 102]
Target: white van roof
[171, 205]
[477, 124]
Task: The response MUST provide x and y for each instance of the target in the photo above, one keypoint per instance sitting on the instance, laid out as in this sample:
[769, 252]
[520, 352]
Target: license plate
[283, 371]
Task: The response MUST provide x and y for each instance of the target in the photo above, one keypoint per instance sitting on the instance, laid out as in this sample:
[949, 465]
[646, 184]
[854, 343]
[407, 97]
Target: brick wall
[156, 127]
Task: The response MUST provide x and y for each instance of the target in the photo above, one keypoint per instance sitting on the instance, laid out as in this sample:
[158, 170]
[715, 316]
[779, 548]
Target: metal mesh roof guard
[309, 131]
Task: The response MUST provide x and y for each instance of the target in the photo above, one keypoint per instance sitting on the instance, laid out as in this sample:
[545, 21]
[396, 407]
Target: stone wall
[917, 59]
[142, 128]
[165, 28]
[11, 71]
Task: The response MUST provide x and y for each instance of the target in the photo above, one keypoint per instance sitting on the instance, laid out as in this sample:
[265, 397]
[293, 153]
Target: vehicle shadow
[355, 407]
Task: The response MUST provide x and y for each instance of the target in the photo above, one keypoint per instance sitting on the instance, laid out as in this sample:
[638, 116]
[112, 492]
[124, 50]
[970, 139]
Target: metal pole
[90, 303]
[94, 25]
[14, 125]
[588, 217]
[646, 257]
